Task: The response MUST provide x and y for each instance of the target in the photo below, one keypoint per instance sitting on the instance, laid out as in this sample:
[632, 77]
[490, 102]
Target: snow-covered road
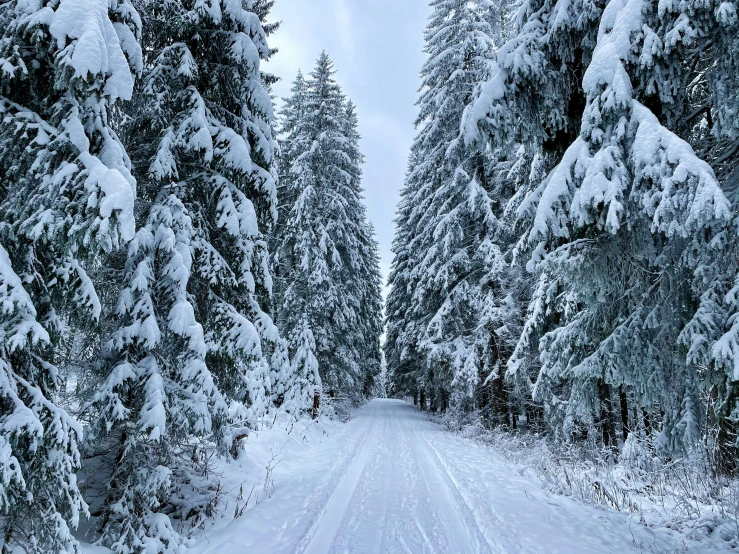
[393, 481]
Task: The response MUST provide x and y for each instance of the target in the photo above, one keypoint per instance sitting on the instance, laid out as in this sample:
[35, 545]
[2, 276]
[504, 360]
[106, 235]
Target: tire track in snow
[504, 539]
[356, 435]
[366, 520]
[323, 532]
[501, 533]
[386, 490]
[461, 526]
[411, 483]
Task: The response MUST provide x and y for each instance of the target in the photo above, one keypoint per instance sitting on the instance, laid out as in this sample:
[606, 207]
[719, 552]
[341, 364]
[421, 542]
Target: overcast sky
[376, 46]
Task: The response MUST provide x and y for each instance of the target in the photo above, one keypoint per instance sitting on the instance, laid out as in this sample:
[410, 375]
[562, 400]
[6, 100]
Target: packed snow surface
[391, 481]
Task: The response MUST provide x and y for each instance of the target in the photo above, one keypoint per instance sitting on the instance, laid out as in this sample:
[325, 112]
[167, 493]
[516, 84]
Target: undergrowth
[685, 494]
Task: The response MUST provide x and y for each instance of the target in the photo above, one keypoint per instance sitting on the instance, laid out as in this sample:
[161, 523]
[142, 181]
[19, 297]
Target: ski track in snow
[392, 481]
[327, 525]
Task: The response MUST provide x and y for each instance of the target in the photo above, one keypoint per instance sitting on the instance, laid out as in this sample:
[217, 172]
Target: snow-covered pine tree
[287, 388]
[381, 381]
[524, 114]
[289, 121]
[462, 206]
[326, 245]
[530, 103]
[190, 366]
[39, 498]
[505, 287]
[370, 310]
[690, 86]
[306, 377]
[289, 118]
[693, 94]
[625, 231]
[451, 211]
[67, 196]
[404, 364]
[309, 260]
[365, 282]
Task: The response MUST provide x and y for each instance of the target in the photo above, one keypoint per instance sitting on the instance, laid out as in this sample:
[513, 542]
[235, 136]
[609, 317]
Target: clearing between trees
[391, 481]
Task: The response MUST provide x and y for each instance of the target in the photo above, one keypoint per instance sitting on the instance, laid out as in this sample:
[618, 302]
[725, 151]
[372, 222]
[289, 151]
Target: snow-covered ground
[390, 481]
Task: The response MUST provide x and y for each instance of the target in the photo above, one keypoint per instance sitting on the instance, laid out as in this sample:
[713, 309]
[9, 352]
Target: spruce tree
[364, 281]
[327, 258]
[66, 199]
[575, 178]
[451, 210]
[190, 367]
[289, 120]
[523, 114]
[625, 230]
[404, 364]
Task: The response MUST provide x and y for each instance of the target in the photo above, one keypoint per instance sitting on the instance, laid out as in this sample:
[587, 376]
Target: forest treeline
[172, 276]
[566, 250]
[180, 266]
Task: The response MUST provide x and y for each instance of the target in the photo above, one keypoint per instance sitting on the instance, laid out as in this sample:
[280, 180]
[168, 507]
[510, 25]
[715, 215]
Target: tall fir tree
[191, 364]
[523, 115]
[66, 199]
[626, 226]
[364, 281]
[327, 257]
[588, 184]
[450, 209]
[401, 352]
[289, 118]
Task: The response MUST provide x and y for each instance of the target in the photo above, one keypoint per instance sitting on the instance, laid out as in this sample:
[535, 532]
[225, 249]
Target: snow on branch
[624, 154]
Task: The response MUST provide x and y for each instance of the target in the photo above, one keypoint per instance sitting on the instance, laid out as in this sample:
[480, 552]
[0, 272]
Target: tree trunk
[647, 423]
[534, 416]
[316, 403]
[444, 401]
[7, 538]
[607, 423]
[500, 402]
[726, 447]
[624, 412]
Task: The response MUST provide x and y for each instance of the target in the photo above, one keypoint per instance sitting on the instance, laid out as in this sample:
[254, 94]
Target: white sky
[376, 46]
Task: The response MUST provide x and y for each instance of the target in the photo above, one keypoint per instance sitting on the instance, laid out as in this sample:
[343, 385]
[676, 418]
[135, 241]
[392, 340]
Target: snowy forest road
[392, 481]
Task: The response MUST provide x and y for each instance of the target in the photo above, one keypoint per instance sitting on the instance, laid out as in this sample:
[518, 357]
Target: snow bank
[250, 481]
[681, 495]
